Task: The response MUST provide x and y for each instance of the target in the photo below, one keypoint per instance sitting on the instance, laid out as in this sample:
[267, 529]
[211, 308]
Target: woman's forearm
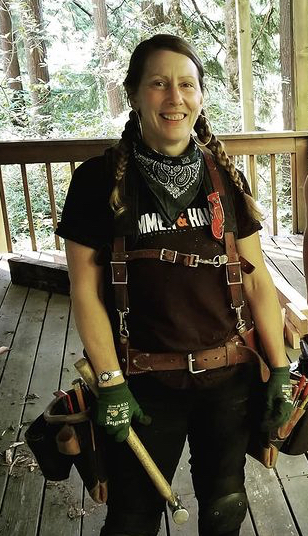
[95, 330]
[90, 314]
[266, 313]
[263, 301]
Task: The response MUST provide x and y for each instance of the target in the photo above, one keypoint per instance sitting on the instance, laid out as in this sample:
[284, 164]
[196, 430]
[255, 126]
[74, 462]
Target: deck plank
[286, 264]
[26, 489]
[63, 501]
[10, 313]
[19, 486]
[277, 499]
[5, 278]
[268, 507]
[14, 385]
[293, 475]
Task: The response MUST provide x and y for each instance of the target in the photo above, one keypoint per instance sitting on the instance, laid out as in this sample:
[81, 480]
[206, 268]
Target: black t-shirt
[172, 307]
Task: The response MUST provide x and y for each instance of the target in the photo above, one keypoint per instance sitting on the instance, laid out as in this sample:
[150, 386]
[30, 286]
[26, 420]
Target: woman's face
[169, 100]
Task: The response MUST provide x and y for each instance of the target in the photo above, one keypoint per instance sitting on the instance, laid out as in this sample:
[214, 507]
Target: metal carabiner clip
[123, 323]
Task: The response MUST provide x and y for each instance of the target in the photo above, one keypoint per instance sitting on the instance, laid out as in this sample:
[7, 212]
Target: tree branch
[207, 25]
[82, 8]
[264, 24]
[116, 8]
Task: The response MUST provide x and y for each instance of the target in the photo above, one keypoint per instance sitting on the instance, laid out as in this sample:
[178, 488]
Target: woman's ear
[133, 102]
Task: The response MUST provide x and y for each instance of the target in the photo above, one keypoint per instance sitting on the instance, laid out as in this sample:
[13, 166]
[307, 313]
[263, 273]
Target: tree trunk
[286, 53]
[231, 61]
[101, 27]
[11, 67]
[153, 13]
[175, 15]
[36, 60]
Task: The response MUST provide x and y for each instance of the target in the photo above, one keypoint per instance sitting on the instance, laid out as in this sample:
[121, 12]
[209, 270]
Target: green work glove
[115, 408]
[278, 400]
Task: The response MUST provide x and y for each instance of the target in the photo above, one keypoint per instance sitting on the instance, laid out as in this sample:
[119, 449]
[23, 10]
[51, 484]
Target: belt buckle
[191, 360]
[164, 252]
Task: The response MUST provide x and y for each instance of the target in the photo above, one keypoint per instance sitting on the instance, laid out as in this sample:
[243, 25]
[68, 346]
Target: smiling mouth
[173, 117]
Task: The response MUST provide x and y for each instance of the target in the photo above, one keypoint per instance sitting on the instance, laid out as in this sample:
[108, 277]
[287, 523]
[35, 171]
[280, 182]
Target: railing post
[301, 171]
[3, 245]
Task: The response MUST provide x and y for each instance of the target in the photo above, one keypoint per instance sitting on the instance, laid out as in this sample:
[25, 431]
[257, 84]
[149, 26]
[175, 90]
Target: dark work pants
[216, 420]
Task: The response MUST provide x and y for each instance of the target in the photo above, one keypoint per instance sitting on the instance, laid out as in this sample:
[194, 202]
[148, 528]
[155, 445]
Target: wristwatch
[106, 375]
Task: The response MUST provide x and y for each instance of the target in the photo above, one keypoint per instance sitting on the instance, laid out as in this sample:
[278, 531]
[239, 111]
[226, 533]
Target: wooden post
[286, 61]
[301, 171]
[3, 218]
[245, 75]
[3, 245]
[245, 64]
[300, 88]
[300, 66]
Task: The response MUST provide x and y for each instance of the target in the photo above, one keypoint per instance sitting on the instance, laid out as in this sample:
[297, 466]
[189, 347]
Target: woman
[181, 336]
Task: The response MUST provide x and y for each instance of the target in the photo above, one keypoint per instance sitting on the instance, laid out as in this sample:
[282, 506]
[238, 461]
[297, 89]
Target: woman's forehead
[163, 62]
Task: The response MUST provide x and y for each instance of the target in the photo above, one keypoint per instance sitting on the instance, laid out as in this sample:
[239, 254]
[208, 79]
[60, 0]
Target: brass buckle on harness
[115, 275]
[164, 252]
[240, 279]
[191, 360]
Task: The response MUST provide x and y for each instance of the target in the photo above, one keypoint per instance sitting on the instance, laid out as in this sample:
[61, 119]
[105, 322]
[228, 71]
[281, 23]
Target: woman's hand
[115, 408]
[278, 400]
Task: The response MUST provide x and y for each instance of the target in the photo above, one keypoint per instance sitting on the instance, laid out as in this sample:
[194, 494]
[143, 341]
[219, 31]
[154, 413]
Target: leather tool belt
[233, 353]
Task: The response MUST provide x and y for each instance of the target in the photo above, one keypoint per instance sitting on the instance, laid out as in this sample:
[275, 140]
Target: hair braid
[123, 151]
[206, 136]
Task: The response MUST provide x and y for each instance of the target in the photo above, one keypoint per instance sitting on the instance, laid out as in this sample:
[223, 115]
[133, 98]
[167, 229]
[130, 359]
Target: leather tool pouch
[291, 439]
[58, 440]
[296, 439]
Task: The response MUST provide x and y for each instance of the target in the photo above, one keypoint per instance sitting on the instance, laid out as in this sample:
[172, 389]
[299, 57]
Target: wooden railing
[248, 145]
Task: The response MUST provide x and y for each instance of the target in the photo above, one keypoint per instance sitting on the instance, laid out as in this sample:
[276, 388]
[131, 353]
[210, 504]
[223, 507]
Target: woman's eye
[159, 83]
[188, 84]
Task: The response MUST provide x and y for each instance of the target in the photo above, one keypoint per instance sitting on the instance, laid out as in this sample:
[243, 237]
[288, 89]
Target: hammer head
[179, 514]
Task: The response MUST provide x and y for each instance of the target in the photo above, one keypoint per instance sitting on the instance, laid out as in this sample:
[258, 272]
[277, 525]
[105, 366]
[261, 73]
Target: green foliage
[78, 105]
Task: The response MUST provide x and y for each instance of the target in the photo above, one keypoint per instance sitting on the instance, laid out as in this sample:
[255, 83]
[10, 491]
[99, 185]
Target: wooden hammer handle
[87, 373]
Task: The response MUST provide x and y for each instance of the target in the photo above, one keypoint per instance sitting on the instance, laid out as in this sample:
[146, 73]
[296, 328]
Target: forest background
[63, 64]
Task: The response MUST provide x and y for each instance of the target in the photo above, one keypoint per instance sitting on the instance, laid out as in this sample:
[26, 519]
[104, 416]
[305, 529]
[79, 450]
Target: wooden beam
[298, 319]
[291, 334]
[42, 275]
[286, 293]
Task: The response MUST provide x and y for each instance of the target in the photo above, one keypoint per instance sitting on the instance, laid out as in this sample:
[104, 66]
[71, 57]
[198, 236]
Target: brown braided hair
[123, 152]
[206, 136]
[202, 127]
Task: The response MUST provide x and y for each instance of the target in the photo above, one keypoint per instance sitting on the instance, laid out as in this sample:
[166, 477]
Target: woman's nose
[174, 95]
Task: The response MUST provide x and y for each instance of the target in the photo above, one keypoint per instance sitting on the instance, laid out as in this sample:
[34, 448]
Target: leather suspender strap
[215, 204]
[191, 260]
[119, 273]
[233, 266]
[214, 174]
[234, 278]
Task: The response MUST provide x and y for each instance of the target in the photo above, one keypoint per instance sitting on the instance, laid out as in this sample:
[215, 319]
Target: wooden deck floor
[40, 330]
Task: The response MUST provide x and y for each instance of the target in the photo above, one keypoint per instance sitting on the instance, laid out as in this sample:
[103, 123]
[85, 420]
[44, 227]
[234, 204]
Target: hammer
[179, 514]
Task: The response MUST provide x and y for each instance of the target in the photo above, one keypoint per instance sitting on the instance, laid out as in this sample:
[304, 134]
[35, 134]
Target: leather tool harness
[238, 349]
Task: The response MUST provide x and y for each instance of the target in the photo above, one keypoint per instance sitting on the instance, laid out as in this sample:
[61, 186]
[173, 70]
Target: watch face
[105, 376]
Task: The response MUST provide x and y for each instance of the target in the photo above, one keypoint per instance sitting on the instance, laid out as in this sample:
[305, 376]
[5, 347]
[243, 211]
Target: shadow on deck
[39, 328]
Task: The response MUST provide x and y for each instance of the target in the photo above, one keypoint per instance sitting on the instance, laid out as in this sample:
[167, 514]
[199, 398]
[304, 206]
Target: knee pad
[224, 514]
